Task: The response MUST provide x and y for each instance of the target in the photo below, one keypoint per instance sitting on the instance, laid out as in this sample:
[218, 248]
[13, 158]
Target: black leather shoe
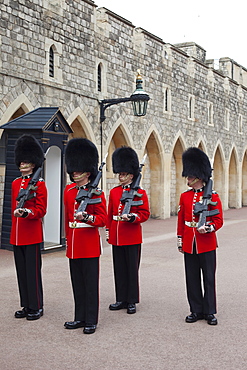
[211, 319]
[35, 314]
[131, 308]
[89, 329]
[22, 313]
[74, 324]
[118, 306]
[193, 317]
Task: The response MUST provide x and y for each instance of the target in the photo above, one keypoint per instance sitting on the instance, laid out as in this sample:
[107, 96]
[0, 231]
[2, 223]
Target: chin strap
[194, 181]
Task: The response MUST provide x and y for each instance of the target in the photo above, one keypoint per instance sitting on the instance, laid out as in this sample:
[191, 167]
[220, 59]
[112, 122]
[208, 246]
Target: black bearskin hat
[196, 164]
[27, 149]
[125, 159]
[81, 155]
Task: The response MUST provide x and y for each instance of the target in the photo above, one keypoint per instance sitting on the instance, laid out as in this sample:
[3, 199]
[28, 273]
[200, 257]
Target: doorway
[52, 219]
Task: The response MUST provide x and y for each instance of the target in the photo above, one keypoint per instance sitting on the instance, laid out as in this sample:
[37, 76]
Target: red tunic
[204, 242]
[83, 242]
[123, 232]
[28, 230]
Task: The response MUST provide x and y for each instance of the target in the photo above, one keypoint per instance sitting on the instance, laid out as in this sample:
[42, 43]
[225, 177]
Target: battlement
[193, 50]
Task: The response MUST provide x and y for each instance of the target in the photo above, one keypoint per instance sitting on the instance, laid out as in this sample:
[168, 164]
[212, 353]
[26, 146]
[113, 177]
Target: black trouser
[196, 267]
[84, 274]
[28, 265]
[126, 262]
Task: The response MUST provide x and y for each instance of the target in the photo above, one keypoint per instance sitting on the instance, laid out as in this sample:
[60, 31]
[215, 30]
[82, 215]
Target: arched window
[51, 62]
[240, 124]
[166, 100]
[227, 119]
[53, 52]
[99, 78]
[210, 114]
[190, 107]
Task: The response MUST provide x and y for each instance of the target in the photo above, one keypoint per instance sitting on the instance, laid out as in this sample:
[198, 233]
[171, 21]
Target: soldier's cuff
[179, 242]
[107, 234]
[26, 212]
[132, 217]
[88, 218]
[210, 228]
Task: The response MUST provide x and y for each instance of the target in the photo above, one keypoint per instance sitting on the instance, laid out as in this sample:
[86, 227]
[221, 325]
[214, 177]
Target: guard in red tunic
[26, 232]
[124, 231]
[82, 232]
[199, 243]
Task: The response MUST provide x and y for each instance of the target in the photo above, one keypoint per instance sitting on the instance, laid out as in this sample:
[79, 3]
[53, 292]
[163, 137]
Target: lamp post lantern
[139, 100]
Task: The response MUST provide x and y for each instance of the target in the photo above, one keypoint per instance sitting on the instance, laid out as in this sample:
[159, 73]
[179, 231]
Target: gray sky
[217, 26]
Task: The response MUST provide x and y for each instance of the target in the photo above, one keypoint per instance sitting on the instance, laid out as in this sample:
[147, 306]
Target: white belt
[191, 223]
[117, 218]
[78, 225]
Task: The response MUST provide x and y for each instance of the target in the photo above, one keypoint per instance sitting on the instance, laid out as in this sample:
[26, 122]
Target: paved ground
[156, 337]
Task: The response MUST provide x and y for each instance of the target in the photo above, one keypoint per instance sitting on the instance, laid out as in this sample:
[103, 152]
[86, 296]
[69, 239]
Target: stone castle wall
[192, 104]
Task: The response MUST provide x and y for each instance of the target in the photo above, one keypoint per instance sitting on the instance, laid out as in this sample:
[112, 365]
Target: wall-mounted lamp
[139, 100]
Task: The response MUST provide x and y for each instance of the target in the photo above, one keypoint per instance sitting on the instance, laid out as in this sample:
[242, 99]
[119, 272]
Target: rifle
[25, 194]
[128, 196]
[201, 208]
[84, 196]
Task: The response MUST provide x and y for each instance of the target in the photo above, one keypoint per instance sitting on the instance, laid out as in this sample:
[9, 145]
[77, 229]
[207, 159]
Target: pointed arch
[127, 137]
[180, 136]
[244, 179]
[153, 130]
[21, 104]
[233, 185]
[177, 183]
[153, 172]
[218, 173]
[80, 125]
[17, 108]
[218, 146]
[118, 136]
[201, 145]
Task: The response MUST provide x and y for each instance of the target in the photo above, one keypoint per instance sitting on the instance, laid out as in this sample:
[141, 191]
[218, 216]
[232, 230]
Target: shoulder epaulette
[72, 187]
[186, 191]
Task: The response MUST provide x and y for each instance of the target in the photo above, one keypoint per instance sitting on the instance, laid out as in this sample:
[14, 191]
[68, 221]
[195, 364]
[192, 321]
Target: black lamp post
[139, 100]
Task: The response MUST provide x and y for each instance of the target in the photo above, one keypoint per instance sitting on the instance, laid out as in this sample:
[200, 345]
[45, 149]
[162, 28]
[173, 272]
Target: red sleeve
[38, 204]
[66, 212]
[99, 212]
[109, 212]
[217, 220]
[13, 197]
[180, 221]
[142, 212]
